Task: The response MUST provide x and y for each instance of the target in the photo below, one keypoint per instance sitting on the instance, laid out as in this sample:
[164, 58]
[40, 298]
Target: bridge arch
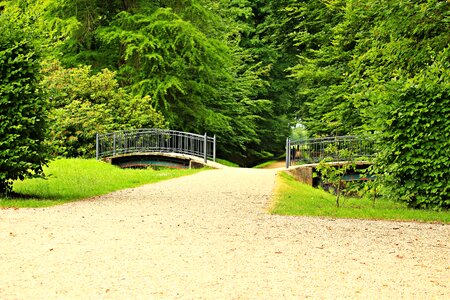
[153, 140]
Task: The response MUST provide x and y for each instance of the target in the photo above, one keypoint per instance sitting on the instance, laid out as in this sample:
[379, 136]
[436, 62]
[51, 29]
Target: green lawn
[227, 163]
[297, 199]
[265, 164]
[75, 179]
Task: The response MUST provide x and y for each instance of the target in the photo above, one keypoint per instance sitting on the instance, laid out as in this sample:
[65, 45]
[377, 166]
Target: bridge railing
[315, 150]
[155, 140]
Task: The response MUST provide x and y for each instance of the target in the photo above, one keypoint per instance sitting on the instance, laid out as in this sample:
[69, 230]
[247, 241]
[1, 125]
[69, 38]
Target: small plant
[332, 173]
[372, 188]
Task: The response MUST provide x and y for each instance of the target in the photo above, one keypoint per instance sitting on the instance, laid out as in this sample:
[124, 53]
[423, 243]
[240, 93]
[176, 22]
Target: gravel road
[209, 236]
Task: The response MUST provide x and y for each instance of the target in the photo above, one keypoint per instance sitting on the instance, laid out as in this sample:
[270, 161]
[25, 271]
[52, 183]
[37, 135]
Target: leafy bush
[22, 126]
[83, 103]
[416, 140]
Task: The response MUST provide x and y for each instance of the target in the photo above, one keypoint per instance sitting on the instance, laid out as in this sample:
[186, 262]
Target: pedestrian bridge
[157, 148]
[333, 149]
[303, 156]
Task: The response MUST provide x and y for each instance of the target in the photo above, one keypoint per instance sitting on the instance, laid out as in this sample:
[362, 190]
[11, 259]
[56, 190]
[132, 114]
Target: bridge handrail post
[114, 145]
[205, 153]
[214, 149]
[288, 153]
[96, 146]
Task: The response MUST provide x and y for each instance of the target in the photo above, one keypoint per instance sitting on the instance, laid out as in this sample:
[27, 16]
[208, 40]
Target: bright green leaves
[22, 108]
[380, 67]
[83, 103]
[416, 151]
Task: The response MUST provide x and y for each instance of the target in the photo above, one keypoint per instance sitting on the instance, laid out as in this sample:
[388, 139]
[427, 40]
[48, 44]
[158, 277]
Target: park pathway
[209, 236]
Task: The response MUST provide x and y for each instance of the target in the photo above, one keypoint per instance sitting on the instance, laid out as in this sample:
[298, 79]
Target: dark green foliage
[22, 108]
[323, 94]
[261, 27]
[75, 22]
[168, 58]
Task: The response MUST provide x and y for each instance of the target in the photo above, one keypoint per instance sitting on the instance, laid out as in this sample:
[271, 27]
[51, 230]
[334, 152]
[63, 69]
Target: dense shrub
[22, 126]
[416, 141]
[83, 103]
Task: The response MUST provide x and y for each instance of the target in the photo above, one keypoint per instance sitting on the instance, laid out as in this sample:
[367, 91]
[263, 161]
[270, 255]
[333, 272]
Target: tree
[264, 37]
[415, 133]
[400, 86]
[82, 103]
[22, 107]
[183, 55]
[377, 72]
[320, 72]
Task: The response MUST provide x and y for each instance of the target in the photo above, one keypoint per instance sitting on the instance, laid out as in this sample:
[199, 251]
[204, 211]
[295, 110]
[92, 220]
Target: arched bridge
[160, 147]
[306, 154]
[338, 148]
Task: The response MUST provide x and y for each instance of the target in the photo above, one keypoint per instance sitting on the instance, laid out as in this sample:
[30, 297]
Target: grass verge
[297, 199]
[75, 179]
[227, 163]
[265, 164]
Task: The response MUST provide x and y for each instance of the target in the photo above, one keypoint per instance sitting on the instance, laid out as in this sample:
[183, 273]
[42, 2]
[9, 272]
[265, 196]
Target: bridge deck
[183, 159]
[155, 141]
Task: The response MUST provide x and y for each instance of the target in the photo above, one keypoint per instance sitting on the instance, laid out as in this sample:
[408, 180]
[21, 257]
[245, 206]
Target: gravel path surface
[208, 236]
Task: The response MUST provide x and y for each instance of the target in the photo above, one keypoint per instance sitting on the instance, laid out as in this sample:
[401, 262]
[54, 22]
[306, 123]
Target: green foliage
[372, 66]
[416, 139]
[322, 103]
[186, 55]
[188, 74]
[402, 89]
[259, 31]
[76, 179]
[331, 174]
[299, 133]
[83, 103]
[22, 108]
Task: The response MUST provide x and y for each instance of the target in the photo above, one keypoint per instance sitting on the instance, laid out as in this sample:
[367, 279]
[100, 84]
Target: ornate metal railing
[339, 148]
[155, 140]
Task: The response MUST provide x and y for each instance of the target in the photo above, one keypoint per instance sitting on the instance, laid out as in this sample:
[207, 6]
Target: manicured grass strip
[227, 163]
[297, 199]
[75, 179]
[265, 164]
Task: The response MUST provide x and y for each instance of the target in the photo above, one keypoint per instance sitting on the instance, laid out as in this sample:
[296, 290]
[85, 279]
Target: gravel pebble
[209, 236]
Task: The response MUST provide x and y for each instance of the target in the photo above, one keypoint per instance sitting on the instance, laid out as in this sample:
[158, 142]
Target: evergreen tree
[182, 55]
